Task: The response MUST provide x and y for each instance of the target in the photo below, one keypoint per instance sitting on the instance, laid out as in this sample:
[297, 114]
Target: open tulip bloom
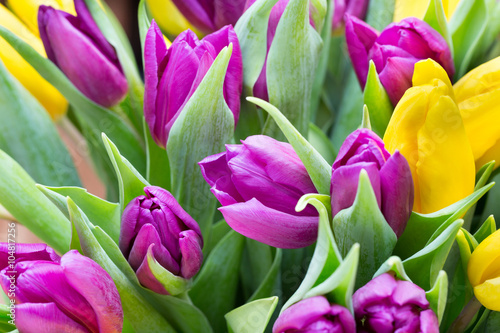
[284, 166]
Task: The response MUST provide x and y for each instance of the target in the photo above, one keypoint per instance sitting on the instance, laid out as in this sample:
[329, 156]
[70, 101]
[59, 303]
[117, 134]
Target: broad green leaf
[158, 165]
[252, 317]
[395, 265]
[438, 295]
[436, 18]
[255, 263]
[202, 128]
[484, 174]
[219, 230]
[319, 170]
[376, 99]
[29, 136]
[144, 22]
[421, 227]
[5, 318]
[20, 196]
[493, 322]
[424, 266]
[364, 223]
[480, 324]
[486, 229]
[321, 143]
[291, 66]
[271, 281]
[380, 13]
[214, 290]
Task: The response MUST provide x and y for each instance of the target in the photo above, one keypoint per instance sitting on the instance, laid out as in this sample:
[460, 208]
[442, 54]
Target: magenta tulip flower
[80, 50]
[395, 51]
[386, 304]
[356, 8]
[315, 314]
[71, 293]
[211, 15]
[155, 225]
[172, 75]
[259, 183]
[390, 177]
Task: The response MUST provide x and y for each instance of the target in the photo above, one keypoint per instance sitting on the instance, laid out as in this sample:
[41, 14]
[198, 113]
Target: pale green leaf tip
[365, 122]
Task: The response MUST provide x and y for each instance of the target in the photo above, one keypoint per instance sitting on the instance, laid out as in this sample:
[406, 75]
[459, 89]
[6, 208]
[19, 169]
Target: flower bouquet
[269, 166]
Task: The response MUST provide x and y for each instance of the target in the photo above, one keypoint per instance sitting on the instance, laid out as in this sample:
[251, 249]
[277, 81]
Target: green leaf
[5, 318]
[436, 18]
[214, 290]
[144, 23]
[364, 223]
[321, 143]
[395, 265]
[251, 317]
[319, 170]
[424, 266]
[484, 174]
[493, 322]
[376, 99]
[380, 13]
[365, 121]
[464, 248]
[486, 229]
[174, 284]
[255, 263]
[29, 136]
[219, 230]
[271, 281]
[291, 66]
[158, 165]
[438, 295]
[20, 196]
[202, 128]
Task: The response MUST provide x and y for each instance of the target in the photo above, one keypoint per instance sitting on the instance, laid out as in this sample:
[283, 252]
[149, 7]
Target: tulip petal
[396, 77]
[407, 293]
[228, 12]
[128, 232]
[484, 263]
[45, 318]
[95, 284]
[192, 257]
[357, 138]
[302, 314]
[373, 292]
[396, 186]
[429, 322]
[26, 252]
[146, 276]
[199, 13]
[256, 221]
[488, 294]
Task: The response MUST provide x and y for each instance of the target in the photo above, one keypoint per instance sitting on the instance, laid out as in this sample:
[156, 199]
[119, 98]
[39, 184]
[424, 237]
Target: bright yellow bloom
[27, 10]
[46, 94]
[418, 8]
[478, 98]
[484, 272]
[426, 127]
[168, 17]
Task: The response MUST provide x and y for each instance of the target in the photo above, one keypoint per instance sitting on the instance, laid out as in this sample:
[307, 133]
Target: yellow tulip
[27, 10]
[46, 94]
[478, 96]
[484, 271]
[418, 8]
[168, 17]
[426, 127]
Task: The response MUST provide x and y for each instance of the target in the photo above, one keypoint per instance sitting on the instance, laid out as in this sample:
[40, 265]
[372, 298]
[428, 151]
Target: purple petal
[429, 322]
[407, 293]
[302, 314]
[94, 283]
[45, 318]
[147, 278]
[374, 292]
[357, 8]
[396, 185]
[227, 12]
[396, 77]
[192, 257]
[344, 318]
[256, 221]
[338, 13]
[198, 12]
[130, 218]
[25, 252]
[344, 186]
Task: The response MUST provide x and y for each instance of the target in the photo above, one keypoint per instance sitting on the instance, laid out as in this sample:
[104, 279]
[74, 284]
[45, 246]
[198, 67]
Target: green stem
[462, 322]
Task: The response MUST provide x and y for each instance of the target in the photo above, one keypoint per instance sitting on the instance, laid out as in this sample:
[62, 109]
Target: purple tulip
[80, 50]
[315, 314]
[259, 183]
[395, 51]
[156, 225]
[356, 8]
[211, 15]
[172, 75]
[388, 305]
[390, 177]
[54, 294]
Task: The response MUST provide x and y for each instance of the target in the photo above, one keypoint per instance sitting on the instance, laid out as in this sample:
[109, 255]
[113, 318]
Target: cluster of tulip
[394, 231]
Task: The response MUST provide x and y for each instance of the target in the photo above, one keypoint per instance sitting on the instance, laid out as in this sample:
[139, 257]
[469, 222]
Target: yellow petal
[27, 10]
[488, 294]
[480, 80]
[168, 17]
[430, 72]
[484, 263]
[418, 8]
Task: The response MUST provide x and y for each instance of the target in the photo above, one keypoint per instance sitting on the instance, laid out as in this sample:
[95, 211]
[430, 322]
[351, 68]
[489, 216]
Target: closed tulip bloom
[259, 183]
[44, 92]
[356, 8]
[484, 272]
[80, 50]
[71, 293]
[172, 75]
[315, 314]
[395, 51]
[211, 15]
[477, 95]
[427, 129]
[386, 304]
[155, 225]
[390, 177]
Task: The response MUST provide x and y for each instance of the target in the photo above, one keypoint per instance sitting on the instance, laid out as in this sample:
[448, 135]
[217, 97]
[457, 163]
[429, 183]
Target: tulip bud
[484, 272]
[477, 95]
[395, 52]
[173, 75]
[388, 305]
[390, 177]
[212, 15]
[71, 293]
[155, 226]
[356, 8]
[80, 50]
[315, 314]
[426, 127]
[259, 183]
